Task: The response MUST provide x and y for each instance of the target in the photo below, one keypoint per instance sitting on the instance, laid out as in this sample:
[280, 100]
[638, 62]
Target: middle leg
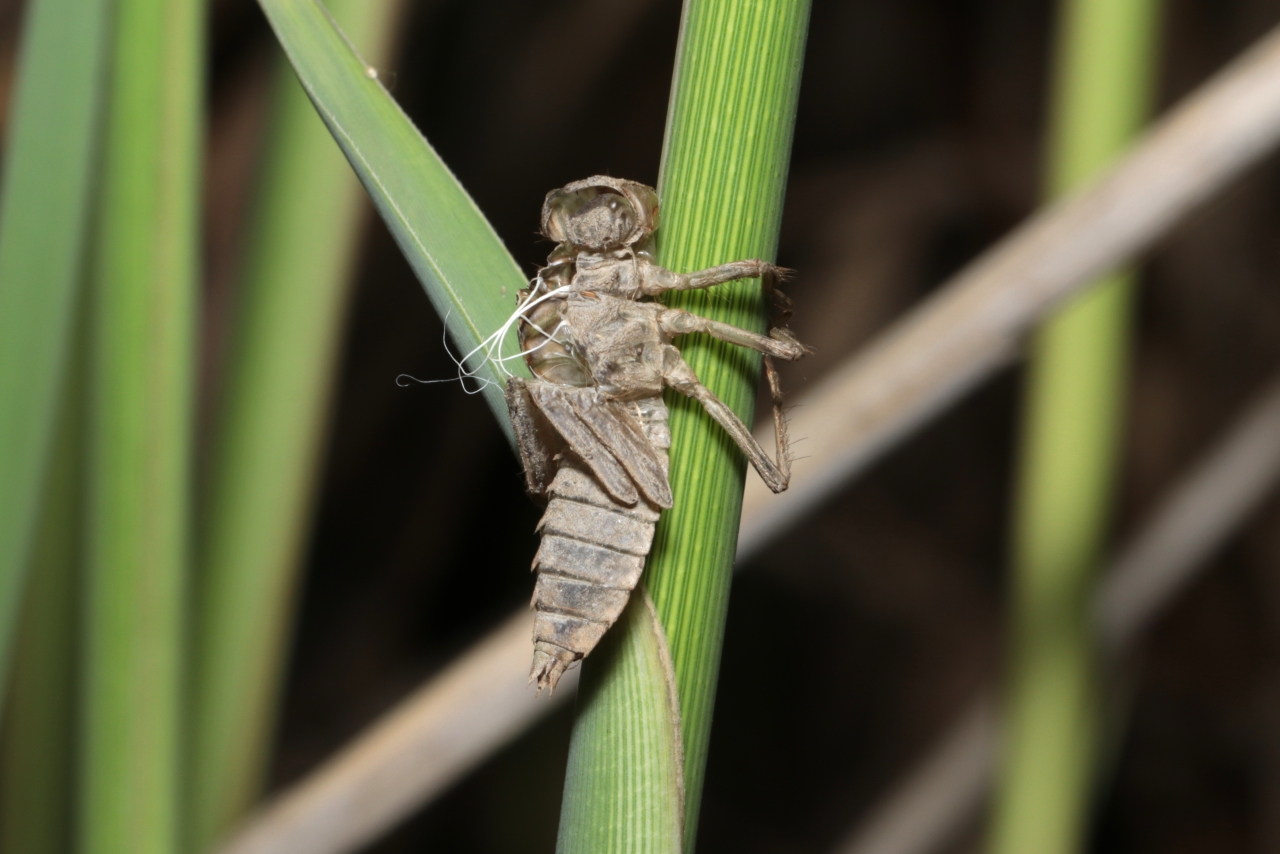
[778, 343]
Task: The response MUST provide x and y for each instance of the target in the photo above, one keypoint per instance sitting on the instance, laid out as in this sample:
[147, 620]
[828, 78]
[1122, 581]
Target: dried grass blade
[411, 754]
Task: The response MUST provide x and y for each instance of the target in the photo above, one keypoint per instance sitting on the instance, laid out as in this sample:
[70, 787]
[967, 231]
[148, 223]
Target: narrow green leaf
[469, 276]
[723, 178]
[141, 375]
[38, 731]
[1070, 441]
[268, 437]
[43, 221]
[627, 699]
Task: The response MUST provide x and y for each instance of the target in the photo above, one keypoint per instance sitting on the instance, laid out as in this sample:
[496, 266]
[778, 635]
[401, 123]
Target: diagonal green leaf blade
[468, 274]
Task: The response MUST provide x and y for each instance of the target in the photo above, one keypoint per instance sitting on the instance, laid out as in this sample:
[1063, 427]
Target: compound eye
[624, 217]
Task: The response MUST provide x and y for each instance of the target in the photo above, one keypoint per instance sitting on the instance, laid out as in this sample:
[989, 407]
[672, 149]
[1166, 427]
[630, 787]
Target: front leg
[536, 443]
[656, 280]
[778, 343]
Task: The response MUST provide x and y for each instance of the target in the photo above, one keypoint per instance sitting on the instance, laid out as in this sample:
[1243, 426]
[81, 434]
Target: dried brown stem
[945, 791]
[414, 752]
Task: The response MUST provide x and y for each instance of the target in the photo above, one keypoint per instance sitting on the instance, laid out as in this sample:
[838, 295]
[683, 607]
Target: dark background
[917, 145]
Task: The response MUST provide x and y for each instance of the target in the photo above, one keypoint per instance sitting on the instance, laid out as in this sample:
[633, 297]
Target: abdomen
[592, 556]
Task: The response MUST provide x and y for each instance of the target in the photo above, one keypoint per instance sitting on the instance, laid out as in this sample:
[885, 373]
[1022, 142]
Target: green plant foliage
[141, 376]
[469, 276]
[270, 429]
[36, 757]
[43, 221]
[724, 174]
[637, 805]
[1072, 424]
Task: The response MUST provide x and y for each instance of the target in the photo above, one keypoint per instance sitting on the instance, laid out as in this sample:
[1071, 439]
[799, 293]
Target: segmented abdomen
[591, 557]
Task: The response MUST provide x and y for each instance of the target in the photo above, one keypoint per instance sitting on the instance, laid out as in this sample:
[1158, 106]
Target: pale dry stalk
[946, 790]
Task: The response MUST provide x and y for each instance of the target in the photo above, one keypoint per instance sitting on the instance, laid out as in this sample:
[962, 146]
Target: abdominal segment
[591, 558]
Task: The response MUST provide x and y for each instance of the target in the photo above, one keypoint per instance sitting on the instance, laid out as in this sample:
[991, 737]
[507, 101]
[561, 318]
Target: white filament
[491, 347]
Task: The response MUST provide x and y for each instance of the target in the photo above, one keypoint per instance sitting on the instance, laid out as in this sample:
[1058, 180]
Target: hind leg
[679, 376]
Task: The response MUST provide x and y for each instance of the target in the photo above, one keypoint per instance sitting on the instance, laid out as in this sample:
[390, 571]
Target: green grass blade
[723, 178]
[36, 759]
[469, 276]
[267, 442]
[141, 374]
[1070, 434]
[628, 699]
[43, 223]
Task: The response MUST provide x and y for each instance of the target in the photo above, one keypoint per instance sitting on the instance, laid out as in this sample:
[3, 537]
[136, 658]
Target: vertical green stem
[622, 785]
[44, 219]
[141, 374]
[43, 222]
[269, 434]
[1073, 412]
[36, 760]
[724, 173]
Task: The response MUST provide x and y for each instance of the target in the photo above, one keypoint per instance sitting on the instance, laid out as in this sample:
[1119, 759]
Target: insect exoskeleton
[591, 424]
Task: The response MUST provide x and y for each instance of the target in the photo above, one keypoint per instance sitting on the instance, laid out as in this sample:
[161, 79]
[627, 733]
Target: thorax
[597, 331]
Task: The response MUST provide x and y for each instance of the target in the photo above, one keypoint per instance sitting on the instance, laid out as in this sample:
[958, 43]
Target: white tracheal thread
[492, 346]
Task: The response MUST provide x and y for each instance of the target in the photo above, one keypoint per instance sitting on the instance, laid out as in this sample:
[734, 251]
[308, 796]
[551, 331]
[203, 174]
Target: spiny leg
[779, 342]
[657, 280]
[781, 440]
[777, 317]
[679, 376]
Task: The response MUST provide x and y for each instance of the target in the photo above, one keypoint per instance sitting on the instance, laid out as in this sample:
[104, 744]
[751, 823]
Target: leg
[533, 440]
[781, 441]
[778, 342]
[679, 376]
[656, 280]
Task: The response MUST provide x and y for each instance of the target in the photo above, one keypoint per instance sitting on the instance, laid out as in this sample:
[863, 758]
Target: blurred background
[855, 640]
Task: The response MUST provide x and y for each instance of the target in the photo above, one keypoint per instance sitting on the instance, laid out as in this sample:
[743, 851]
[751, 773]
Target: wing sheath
[620, 432]
[557, 403]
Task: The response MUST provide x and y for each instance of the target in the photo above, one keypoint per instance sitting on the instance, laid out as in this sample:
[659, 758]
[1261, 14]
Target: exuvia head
[600, 213]
[602, 222]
